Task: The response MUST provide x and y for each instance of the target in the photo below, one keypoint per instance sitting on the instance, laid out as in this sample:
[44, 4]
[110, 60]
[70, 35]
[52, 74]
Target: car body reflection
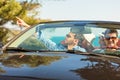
[101, 69]
[28, 60]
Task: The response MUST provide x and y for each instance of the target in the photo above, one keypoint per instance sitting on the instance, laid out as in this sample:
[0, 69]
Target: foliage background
[10, 9]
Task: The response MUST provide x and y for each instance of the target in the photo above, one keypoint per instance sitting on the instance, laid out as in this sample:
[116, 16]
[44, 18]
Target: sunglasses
[68, 36]
[108, 38]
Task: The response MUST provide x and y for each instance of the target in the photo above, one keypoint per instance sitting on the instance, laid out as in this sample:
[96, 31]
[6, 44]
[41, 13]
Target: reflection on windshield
[59, 39]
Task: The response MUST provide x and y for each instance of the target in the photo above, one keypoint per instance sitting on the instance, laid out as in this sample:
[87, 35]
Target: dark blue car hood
[58, 66]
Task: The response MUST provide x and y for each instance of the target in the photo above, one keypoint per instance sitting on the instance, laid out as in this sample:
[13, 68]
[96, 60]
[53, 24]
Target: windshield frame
[63, 24]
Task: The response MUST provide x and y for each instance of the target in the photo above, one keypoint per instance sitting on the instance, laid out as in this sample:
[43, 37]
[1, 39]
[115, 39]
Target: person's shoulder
[79, 48]
[98, 51]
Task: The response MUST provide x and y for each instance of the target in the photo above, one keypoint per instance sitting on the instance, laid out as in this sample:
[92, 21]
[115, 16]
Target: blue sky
[80, 10]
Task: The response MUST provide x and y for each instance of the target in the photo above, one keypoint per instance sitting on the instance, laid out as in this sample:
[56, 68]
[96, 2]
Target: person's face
[111, 40]
[69, 40]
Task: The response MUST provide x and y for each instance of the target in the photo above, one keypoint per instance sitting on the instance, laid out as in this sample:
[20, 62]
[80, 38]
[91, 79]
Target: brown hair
[111, 31]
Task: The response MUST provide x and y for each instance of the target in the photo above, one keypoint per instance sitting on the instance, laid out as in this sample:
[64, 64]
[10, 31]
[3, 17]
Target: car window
[52, 35]
[55, 36]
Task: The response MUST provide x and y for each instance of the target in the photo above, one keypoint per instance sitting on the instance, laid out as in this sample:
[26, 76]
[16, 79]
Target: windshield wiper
[28, 50]
[76, 52]
[17, 50]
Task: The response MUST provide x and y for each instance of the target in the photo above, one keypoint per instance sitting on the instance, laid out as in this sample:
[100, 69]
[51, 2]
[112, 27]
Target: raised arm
[20, 22]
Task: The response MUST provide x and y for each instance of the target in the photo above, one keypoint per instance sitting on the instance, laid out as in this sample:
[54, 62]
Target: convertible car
[36, 53]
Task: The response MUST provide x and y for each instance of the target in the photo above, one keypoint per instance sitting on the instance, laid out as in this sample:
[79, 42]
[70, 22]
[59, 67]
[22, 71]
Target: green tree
[9, 9]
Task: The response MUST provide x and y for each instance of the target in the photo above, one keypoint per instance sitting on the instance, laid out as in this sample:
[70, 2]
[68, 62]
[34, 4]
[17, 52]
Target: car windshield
[63, 36]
